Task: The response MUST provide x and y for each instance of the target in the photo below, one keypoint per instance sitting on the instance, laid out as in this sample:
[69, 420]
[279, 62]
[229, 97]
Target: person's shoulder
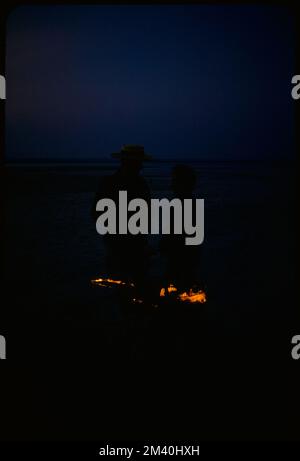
[109, 179]
[144, 186]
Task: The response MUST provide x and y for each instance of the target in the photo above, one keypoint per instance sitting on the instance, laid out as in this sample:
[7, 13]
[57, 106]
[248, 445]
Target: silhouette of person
[126, 254]
[182, 261]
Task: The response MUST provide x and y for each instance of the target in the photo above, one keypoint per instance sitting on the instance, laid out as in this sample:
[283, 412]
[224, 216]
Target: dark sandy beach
[248, 260]
[53, 249]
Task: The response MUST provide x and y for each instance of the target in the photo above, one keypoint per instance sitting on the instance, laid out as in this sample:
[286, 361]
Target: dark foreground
[227, 351]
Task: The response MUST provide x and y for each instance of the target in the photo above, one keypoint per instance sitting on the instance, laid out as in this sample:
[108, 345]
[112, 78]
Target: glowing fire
[110, 282]
[169, 289]
[193, 297]
[189, 296]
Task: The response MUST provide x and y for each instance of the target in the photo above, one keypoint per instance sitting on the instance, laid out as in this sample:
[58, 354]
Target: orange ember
[110, 282]
[193, 297]
[190, 296]
[170, 289]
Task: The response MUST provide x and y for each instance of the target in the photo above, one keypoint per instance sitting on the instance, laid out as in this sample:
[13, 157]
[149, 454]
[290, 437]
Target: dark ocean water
[248, 254]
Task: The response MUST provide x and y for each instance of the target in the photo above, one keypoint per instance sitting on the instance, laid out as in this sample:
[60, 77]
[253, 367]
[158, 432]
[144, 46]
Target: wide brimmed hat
[132, 151]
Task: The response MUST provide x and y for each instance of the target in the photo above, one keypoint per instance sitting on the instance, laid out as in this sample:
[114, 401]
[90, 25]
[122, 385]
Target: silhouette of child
[182, 261]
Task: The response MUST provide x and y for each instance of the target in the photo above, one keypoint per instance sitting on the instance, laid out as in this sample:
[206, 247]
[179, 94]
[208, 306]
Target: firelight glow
[189, 296]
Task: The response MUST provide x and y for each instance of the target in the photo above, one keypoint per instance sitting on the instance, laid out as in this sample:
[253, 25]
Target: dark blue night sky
[205, 82]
